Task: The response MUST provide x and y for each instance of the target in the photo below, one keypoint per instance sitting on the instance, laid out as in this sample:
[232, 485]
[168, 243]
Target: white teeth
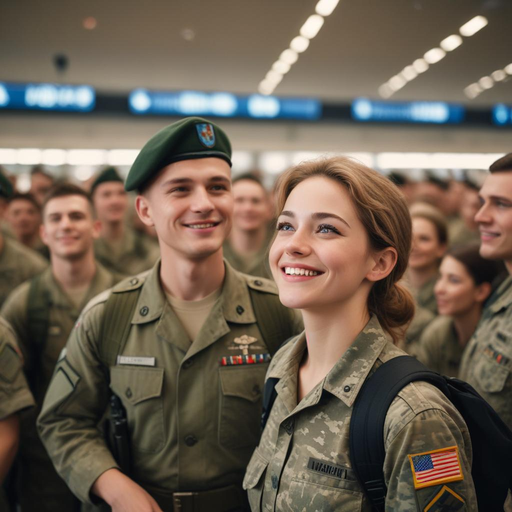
[292, 271]
[200, 226]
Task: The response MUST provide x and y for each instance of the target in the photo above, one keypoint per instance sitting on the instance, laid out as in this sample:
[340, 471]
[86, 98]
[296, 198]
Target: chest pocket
[253, 480]
[140, 390]
[241, 405]
[489, 374]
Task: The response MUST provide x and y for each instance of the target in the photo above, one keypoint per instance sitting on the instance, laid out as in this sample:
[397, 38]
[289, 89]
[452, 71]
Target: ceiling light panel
[299, 44]
[433, 56]
[487, 82]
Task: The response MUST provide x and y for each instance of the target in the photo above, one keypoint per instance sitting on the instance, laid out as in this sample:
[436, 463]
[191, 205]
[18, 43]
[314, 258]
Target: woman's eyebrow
[317, 216]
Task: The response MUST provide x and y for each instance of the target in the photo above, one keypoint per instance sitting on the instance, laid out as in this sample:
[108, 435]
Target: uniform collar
[504, 296]
[346, 377]
[235, 297]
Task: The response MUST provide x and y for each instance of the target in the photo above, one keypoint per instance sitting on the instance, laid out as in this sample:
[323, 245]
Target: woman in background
[464, 284]
[343, 242]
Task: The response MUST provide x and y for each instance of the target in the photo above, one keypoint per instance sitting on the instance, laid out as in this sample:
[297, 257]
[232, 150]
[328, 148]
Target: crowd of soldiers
[69, 257]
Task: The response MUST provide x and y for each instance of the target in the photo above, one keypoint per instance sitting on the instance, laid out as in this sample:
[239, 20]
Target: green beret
[108, 174]
[190, 138]
[6, 189]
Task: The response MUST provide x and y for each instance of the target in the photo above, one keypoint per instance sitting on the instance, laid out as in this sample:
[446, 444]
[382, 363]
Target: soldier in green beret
[17, 262]
[119, 248]
[184, 349]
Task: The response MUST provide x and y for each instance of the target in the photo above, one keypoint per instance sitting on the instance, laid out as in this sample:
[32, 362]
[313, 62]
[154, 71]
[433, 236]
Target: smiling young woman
[342, 244]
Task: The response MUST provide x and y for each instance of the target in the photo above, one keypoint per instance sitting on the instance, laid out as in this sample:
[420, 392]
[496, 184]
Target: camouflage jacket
[303, 464]
[487, 360]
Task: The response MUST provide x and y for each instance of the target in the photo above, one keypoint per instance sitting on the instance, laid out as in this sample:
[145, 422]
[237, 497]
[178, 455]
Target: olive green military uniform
[302, 462]
[135, 253]
[425, 296]
[410, 343]
[41, 488]
[193, 417]
[17, 264]
[255, 265]
[439, 348]
[487, 361]
[15, 395]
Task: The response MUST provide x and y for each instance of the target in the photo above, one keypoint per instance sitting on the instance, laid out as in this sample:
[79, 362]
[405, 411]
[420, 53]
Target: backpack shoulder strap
[116, 322]
[367, 450]
[275, 321]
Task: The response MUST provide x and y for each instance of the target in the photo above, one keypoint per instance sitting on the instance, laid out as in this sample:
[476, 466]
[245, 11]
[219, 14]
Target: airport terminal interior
[409, 104]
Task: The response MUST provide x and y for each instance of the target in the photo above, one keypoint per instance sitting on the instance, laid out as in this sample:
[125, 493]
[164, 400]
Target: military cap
[108, 174]
[187, 139]
[6, 189]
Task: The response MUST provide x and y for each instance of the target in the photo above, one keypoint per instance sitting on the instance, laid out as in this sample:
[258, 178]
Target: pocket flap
[255, 469]
[243, 381]
[136, 384]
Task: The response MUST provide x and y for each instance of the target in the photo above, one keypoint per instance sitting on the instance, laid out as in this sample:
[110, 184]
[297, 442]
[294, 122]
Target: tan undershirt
[77, 295]
[193, 314]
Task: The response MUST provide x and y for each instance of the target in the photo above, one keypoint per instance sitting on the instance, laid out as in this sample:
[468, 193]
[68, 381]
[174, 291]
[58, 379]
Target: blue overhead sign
[502, 115]
[436, 112]
[50, 97]
[222, 104]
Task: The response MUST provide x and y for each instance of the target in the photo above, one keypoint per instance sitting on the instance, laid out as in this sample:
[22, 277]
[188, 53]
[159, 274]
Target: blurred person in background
[42, 312]
[246, 249]
[429, 243]
[464, 284]
[24, 217]
[17, 262]
[40, 182]
[15, 397]
[119, 248]
[470, 205]
[487, 361]
[405, 184]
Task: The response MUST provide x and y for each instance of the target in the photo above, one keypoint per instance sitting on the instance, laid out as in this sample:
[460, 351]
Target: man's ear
[384, 263]
[42, 234]
[143, 209]
[483, 291]
[96, 229]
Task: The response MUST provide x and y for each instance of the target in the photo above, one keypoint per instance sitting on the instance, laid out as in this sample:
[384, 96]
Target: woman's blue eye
[327, 228]
[284, 226]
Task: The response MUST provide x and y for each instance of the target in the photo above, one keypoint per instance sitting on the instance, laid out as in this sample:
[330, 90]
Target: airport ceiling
[230, 45]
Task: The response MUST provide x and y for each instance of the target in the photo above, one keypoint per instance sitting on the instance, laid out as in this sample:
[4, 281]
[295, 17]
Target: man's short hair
[64, 190]
[251, 177]
[503, 164]
[39, 169]
[26, 197]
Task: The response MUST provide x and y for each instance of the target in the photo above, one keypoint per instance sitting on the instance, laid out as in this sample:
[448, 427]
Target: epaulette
[261, 284]
[131, 283]
[99, 299]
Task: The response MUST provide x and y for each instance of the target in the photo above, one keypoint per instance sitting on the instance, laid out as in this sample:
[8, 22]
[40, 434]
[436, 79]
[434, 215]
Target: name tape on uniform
[136, 360]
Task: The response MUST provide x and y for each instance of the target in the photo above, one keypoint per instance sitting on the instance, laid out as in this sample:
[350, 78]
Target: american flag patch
[436, 467]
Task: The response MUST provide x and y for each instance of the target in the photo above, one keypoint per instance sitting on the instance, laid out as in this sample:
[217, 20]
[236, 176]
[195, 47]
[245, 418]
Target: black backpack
[490, 437]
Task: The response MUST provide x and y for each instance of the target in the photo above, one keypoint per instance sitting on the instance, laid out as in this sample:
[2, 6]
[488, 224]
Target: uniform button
[134, 281]
[144, 310]
[256, 390]
[346, 389]
[240, 310]
[128, 393]
[258, 282]
[274, 481]
[188, 363]
[288, 426]
[190, 440]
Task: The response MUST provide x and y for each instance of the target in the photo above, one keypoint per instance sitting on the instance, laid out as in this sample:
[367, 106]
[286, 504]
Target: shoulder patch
[261, 284]
[445, 500]
[131, 283]
[436, 467]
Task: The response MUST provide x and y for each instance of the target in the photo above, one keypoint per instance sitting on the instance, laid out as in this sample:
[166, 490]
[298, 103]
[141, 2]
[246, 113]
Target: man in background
[40, 183]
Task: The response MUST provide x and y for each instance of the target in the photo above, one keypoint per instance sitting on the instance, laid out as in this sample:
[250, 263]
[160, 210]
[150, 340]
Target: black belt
[225, 499]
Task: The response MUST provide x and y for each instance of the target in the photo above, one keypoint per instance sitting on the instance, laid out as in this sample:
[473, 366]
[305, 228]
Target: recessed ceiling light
[486, 82]
[90, 23]
[420, 65]
[312, 26]
[434, 55]
[299, 44]
[289, 56]
[325, 7]
[188, 34]
[499, 75]
[273, 77]
[281, 67]
[451, 42]
[385, 91]
[473, 26]
[396, 83]
[409, 73]
[508, 69]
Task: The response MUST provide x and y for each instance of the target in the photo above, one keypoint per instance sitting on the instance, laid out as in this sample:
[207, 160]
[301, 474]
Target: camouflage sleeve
[428, 454]
[74, 405]
[14, 393]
